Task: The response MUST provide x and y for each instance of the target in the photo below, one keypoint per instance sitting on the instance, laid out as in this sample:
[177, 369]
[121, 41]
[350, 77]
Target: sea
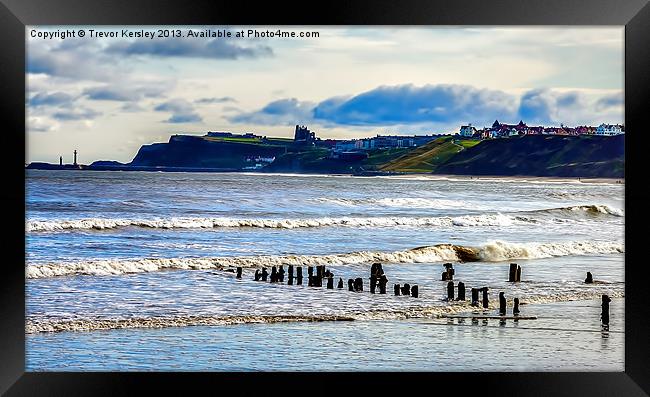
[136, 271]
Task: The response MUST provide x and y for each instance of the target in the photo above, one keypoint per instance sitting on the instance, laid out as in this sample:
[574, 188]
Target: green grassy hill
[428, 157]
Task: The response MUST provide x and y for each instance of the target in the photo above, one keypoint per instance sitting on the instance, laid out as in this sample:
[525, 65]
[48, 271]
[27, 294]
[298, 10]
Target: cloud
[193, 48]
[283, 111]
[55, 99]
[610, 101]
[73, 58]
[432, 105]
[123, 94]
[76, 114]
[182, 111]
[215, 100]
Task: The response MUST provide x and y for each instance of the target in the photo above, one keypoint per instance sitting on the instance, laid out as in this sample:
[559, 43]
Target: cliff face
[539, 155]
[189, 151]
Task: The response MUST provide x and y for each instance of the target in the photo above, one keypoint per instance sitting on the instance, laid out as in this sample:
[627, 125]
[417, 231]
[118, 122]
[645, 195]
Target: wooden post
[450, 291]
[414, 291]
[461, 291]
[518, 273]
[299, 275]
[502, 304]
[310, 270]
[396, 288]
[515, 309]
[274, 274]
[310, 281]
[340, 285]
[281, 274]
[290, 275]
[474, 296]
[383, 280]
[257, 275]
[373, 283]
[486, 302]
[358, 284]
[589, 279]
[512, 276]
[239, 272]
[350, 285]
[406, 289]
[604, 316]
[330, 282]
[265, 274]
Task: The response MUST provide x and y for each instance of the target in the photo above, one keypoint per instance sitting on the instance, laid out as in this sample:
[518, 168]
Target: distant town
[348, 147]
[495, 150]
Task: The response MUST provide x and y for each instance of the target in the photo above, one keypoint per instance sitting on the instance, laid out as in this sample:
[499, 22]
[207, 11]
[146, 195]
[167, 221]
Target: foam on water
[497, 219]
[92, 324]
[494, 251]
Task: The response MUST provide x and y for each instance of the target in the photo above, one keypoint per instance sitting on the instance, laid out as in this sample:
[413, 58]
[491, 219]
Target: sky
[107, 96]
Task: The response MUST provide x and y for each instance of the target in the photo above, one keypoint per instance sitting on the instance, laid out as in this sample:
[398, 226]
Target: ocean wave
[203, 223]
[593, 209]
[42, 325]
[492, 251]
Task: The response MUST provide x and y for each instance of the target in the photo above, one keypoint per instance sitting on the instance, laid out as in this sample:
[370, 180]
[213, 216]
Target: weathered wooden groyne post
[512, 275]
[406, 289]
[350, 285]
[383, 280]
[358, 284]
[486, 302]
[239, 270]
[265, 274]
[396, 289]
[281, 274]
[448, 274]
[340, 285]
[604, 316]
[290, 275]
[330, 282]
[257, 275]
[415, 291]
[450, 291]
[373, 283]
[502, 304]
[274, 274]
[475, 296]
[461, 291]
[515, 308]
[589, 279]
[518, 279]
[299, 275]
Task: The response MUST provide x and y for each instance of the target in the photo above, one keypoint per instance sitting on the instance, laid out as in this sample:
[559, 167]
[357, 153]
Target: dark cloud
[76, 114]
[444, 104]
[59, 99]
[182, 111]
[117, 93]
[215, 100]
[283, 111]
[195, 48]
[610, 101]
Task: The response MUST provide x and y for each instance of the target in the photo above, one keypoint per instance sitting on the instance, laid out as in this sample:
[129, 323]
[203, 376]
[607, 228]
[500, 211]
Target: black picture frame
[16, 14]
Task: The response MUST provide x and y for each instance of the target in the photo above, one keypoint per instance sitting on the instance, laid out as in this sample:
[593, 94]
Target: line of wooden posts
[378, 279]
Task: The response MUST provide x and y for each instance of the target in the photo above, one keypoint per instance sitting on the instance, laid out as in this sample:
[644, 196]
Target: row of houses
[499, 130]
[382, 142]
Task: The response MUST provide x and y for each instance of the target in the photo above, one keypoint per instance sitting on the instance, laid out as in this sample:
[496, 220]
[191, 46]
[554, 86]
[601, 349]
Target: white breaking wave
[198, 223]
[491, 252]
[496, 251]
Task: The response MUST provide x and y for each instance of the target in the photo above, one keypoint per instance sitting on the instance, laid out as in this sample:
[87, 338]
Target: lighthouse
[75, 157]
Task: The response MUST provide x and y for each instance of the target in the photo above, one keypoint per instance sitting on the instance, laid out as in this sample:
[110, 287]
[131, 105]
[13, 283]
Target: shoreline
[430, 176]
